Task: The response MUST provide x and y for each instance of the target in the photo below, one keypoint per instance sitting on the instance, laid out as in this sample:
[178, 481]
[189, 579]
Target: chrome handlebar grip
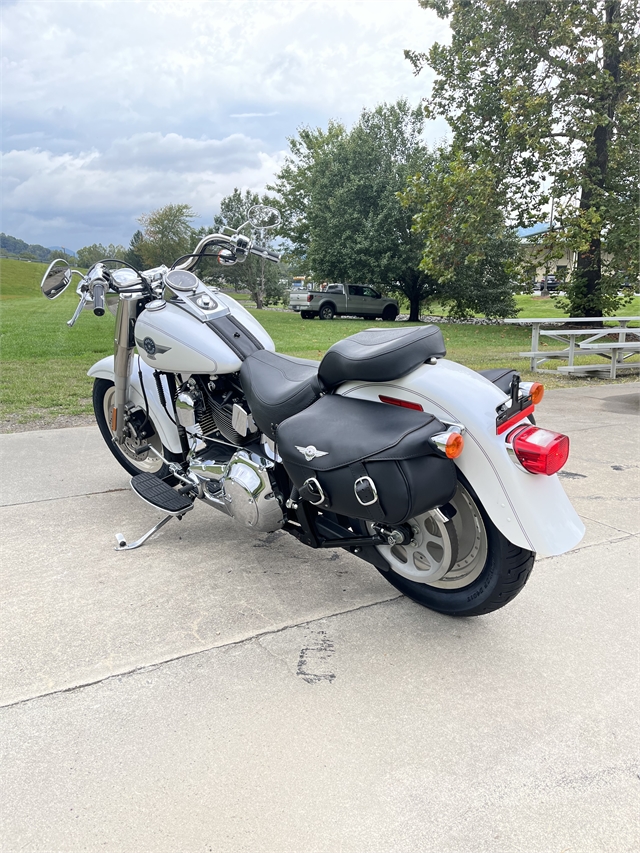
[262, 252]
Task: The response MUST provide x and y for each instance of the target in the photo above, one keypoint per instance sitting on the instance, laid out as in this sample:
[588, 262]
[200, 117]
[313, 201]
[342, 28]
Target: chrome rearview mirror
[263, 217]
[56, 279]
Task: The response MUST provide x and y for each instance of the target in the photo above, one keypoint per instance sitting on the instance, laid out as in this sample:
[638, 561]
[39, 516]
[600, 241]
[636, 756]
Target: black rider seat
[380, 355]
[278, 386]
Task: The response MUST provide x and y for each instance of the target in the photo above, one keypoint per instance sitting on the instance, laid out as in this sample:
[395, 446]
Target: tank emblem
[310, 452]
[151, 347]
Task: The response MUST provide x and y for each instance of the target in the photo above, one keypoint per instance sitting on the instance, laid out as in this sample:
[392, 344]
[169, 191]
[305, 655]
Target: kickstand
[122, 542]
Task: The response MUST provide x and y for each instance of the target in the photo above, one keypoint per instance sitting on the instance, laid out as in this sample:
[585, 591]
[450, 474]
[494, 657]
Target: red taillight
[395, 401]
[540, 451]
[310, 297]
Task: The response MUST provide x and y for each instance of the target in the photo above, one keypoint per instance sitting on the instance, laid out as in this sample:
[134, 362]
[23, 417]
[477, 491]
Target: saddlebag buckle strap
[312, 491]
[365, 491]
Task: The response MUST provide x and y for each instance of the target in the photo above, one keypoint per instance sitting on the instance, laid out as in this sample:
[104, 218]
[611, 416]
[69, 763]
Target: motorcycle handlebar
[224, 241]
[98, 298]
[265, 253]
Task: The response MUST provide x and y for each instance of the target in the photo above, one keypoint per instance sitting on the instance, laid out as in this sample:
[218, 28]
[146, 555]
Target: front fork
[124, 343]
[128, 309]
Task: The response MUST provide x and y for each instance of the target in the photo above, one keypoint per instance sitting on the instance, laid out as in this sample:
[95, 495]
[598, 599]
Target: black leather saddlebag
[366, 460]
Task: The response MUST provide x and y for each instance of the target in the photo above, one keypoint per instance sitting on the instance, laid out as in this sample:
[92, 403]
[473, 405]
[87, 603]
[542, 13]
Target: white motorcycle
[431, 472]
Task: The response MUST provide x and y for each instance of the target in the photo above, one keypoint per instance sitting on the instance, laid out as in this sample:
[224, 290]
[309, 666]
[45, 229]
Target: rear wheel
[327, 312]
[307, 315]
[461, 567]
[389, 313]
[145, 463]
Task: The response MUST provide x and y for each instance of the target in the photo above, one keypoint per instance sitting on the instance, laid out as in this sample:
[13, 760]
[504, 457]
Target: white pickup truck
[355, 300]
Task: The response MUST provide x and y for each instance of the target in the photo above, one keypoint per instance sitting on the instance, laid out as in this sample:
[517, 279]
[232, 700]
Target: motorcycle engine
[236, 482]
[208, 410]
[249, 494]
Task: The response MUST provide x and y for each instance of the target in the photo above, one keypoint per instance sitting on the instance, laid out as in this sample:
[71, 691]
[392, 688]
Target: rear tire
[389, 313]
[488, 571]
[307, 315]
[147, 463]
[327, 312]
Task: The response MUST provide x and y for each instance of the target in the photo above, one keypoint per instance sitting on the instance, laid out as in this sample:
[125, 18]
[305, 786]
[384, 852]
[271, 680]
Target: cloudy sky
[113, 108]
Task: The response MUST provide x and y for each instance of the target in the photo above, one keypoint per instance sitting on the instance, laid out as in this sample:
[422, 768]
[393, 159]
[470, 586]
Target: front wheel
[145, 463]
[389, 313]
[461, 567]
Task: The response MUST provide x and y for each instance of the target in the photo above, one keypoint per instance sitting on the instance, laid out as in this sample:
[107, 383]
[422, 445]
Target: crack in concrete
[623, 538]
[277, 657]
[66, 497]
[619, 498]
[151, 666]
[610, 526]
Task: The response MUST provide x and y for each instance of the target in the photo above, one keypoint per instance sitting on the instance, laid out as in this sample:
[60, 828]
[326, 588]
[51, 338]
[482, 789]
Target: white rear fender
[531, 510]
[165, 427]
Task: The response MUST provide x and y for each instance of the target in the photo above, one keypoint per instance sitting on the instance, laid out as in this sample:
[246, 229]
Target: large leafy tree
[544, 97]
[338, 192]
[167, 234]
[468, 248]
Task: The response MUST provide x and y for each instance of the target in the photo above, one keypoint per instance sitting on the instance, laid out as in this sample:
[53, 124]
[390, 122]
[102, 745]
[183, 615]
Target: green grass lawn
[44, 362]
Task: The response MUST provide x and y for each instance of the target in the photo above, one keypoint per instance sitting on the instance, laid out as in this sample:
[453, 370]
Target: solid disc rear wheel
[145, 463]
[461, 567]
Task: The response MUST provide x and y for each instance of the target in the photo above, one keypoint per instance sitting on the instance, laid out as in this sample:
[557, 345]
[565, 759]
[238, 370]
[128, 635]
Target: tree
[167, 234]
[545, 95]
[338, 192]
[89, 255]
[134, 255]
[260, 277]
[468, 249]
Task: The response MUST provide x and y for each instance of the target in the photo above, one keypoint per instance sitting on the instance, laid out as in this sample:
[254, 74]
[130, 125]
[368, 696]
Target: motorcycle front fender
[166, 429]
[531, 510]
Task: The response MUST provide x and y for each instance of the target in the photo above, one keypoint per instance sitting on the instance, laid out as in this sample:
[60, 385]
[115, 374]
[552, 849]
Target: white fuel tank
[172, 339]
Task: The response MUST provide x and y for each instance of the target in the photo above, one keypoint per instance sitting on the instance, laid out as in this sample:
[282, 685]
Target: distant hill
[32, 251]
[63, 249]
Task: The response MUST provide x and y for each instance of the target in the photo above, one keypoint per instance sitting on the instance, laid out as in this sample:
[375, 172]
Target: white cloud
[177, 154]
[253, 115]
[92, 192]
[129, 104]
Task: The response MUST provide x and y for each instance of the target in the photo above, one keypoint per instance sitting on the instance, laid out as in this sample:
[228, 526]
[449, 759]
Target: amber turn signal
[450, 443]
[536, 392]
[454, 445]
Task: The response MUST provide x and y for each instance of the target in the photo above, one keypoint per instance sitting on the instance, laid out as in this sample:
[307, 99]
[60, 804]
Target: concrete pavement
[220, 690]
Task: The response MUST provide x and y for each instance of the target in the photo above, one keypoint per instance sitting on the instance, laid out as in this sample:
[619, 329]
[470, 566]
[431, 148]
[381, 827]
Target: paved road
[223, 691]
